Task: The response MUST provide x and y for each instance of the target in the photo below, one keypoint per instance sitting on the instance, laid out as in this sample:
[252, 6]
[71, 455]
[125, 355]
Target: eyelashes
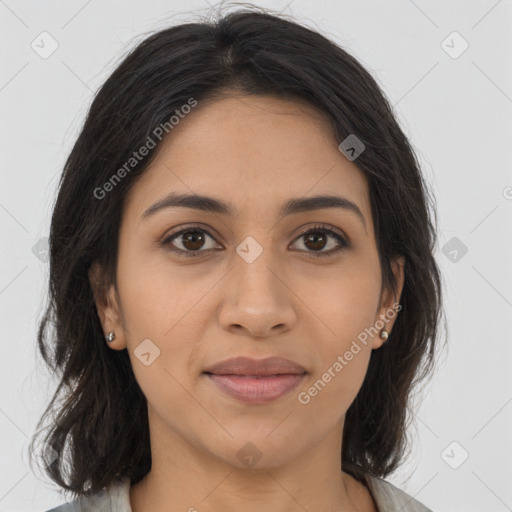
[195, 235]
[325, 233]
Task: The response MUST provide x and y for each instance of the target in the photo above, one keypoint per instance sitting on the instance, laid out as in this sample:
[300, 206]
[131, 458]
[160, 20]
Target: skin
[256, 153]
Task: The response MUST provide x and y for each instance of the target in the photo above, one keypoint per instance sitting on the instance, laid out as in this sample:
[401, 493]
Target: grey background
[456, 109]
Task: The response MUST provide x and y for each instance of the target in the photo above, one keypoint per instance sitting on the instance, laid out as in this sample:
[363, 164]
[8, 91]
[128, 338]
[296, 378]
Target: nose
[258, 302]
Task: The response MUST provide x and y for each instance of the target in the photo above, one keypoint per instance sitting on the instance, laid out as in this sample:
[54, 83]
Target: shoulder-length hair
[98, 425]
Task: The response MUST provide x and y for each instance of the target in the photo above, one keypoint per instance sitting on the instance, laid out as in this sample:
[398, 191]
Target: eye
[317, 238]
[192, 241]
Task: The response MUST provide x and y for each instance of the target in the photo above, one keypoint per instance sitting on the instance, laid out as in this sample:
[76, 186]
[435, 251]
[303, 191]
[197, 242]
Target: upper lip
[248, 366]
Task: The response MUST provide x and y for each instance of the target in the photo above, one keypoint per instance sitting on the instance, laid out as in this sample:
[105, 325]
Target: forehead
[255, 152]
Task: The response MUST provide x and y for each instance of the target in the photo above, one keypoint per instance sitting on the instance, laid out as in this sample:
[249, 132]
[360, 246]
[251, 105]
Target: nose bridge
[258, 299]
[256, 268]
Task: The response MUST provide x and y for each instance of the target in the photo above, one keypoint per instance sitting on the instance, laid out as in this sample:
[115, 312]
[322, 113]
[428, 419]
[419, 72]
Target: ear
[107, 307]
[389, 304]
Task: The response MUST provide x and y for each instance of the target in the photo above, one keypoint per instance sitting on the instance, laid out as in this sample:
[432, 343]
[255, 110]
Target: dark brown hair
[98, 424]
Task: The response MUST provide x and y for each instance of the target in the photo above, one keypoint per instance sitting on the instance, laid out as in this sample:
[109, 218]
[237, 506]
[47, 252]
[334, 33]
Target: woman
[242, 280]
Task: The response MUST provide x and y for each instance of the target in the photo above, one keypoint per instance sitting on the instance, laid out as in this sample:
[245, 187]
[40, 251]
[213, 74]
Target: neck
[186, 477]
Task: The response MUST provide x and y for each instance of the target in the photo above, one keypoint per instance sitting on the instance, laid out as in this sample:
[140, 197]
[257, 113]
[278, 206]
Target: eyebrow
[290, 207]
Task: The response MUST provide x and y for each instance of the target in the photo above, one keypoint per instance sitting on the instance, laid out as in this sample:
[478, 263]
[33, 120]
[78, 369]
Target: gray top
[116, 498]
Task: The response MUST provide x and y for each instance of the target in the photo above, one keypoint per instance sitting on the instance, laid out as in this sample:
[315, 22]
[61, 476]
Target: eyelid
[325, 227]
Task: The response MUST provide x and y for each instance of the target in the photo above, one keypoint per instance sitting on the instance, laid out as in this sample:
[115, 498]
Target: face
[197, 286]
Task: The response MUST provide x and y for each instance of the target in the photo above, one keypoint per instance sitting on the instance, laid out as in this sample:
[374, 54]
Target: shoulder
[114, 498]
[390, 498]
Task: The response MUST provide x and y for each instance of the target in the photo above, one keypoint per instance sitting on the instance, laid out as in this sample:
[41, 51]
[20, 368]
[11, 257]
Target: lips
[255, 381]
[257, 368]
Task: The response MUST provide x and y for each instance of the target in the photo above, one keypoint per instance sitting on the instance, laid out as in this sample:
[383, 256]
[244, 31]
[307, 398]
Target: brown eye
[315, 240]
[193, 240]
[189, 242]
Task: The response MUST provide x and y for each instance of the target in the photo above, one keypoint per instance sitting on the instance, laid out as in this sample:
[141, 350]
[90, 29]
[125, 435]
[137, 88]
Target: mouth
[255, 381]
[256, 389]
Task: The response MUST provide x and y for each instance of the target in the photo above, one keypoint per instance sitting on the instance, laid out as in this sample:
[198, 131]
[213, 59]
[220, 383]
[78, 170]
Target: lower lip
[256, 390]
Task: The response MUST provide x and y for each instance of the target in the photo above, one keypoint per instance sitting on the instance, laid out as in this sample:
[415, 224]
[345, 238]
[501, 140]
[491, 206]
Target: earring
[384, 335]
[110, 337]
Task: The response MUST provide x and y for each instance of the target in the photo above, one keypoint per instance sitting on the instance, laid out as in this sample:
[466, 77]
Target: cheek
[158, 298]
[347, 306]
[163, 305]
[168, 306]
[328, 394]
[344, 359]
[346, 300]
